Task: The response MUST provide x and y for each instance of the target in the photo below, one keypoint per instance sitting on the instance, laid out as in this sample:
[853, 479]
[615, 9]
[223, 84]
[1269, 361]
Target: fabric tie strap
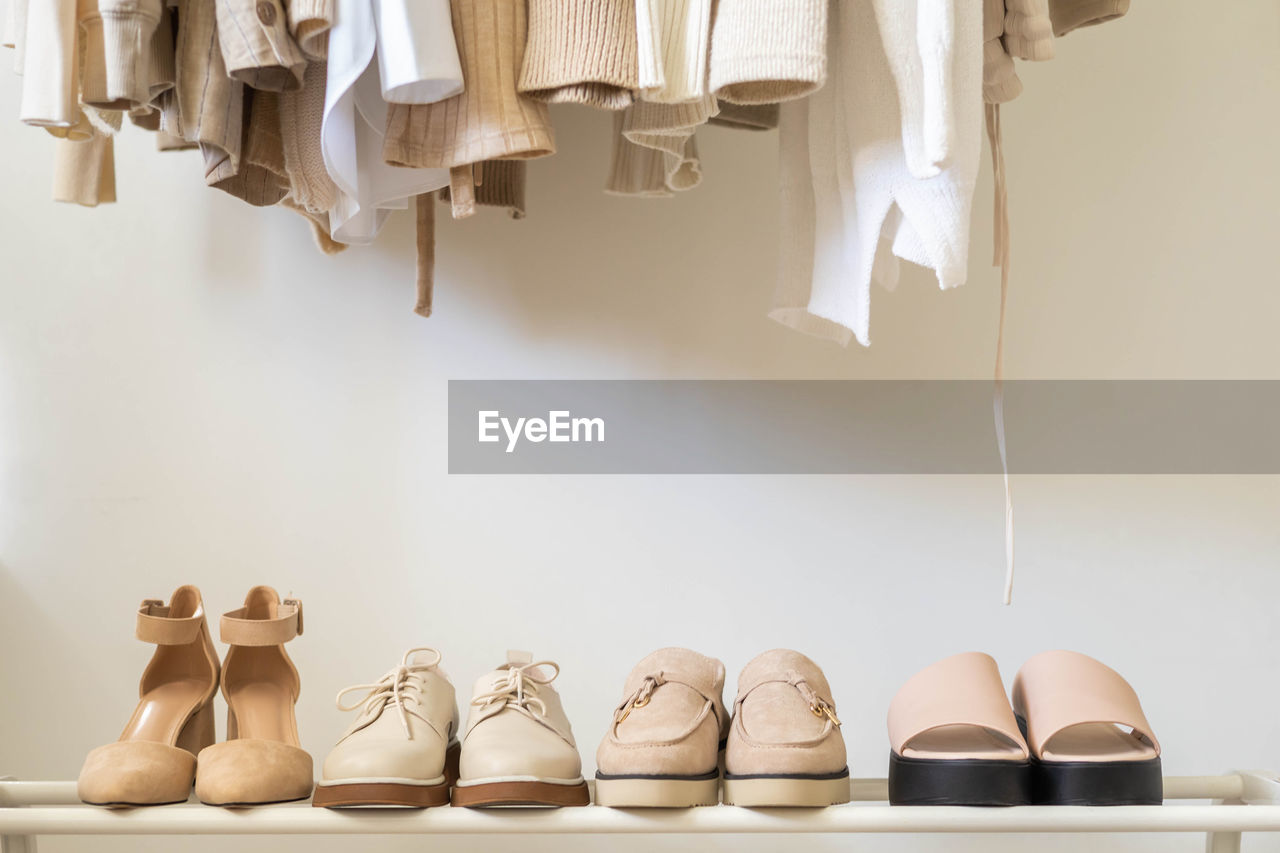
[239, 629]
[155, 625]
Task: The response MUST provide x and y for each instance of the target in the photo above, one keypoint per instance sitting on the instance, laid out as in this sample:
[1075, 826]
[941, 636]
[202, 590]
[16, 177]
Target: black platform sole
[958, 782]
[1097, 783]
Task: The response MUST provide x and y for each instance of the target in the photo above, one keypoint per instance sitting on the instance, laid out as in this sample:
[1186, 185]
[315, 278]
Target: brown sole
[521, 794]
[390, 793]
[381, 794]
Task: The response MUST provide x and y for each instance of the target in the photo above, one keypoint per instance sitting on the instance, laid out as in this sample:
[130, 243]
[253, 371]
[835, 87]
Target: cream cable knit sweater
[863, 207]
[766, 51]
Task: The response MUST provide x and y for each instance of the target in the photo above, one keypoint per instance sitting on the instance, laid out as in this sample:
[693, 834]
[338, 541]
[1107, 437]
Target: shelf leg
[16, 843]
[1223, 842]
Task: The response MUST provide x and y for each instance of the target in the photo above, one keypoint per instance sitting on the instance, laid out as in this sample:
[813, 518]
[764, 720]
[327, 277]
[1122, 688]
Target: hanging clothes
[581, 52]
[673, 43]
[421, 62]
[868, 208]
[746, 116]
[767, 51]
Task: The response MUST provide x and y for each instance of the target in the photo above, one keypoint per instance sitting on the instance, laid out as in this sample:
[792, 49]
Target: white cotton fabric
[867, 204]
[673, 40]
[421, 62]
[50, 96]
[417, 56]
[14, 34]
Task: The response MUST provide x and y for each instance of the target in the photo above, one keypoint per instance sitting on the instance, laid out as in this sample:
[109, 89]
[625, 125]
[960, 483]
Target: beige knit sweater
[766, 51]
[490, 119]
[581, 52]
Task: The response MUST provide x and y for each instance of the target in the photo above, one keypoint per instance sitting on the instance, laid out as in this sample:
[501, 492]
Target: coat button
[267, 13]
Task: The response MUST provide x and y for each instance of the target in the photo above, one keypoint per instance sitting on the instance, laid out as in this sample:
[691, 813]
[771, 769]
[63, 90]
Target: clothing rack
[1245, 801]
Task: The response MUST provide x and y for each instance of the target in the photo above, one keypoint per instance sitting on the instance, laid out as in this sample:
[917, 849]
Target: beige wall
[189, 392]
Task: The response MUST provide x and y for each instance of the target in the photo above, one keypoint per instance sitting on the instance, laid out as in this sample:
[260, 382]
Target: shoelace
[399, 687]
[517, 688]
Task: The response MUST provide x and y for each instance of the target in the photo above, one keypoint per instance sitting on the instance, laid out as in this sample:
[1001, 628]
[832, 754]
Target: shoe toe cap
[136, 773]
[247, 772]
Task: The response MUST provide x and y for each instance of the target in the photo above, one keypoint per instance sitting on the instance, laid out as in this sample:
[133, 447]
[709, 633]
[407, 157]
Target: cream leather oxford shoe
[401, 750]
[518, 748]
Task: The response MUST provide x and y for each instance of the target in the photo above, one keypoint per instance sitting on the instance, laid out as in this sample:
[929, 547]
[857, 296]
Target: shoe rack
[1239, 802]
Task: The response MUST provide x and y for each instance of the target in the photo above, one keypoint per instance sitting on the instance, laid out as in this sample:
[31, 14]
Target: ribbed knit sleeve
[502, 184]
[766, 51]
[1028, 31]
[581, 52]
[1068, 15]
[309, 24]
[120, 38]
[673, 42]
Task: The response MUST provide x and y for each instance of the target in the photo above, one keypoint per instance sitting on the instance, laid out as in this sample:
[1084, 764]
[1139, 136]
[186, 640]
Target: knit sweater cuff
[501, 184]
[1028, 32]
[117, 60]
[1069, 15]
[1000, 83]
[768, 52]
[581, 52]
[309, 23]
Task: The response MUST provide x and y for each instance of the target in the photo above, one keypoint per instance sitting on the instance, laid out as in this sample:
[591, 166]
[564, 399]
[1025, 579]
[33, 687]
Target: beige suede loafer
[663, 747]
[785, 746]
[518, 748]
[402, 749]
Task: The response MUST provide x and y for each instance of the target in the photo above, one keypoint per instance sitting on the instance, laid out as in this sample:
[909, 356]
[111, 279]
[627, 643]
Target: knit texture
[746, 116]
[502, 184]
[667, 129]
[581, 52]
[1068, 15]
[257, 46]
[766, 51]
[309, 24]
[84, 172]
[301, 117]
[673, 44]
[490, 119]
[1028, 31]
[861, 207]
[635, 170]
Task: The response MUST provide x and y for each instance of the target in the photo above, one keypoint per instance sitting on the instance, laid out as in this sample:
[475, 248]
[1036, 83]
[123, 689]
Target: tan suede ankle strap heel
[262, 760]
[154, 760]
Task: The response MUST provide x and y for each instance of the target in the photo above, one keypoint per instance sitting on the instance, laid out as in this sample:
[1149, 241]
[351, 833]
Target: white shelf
[1240, 802]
